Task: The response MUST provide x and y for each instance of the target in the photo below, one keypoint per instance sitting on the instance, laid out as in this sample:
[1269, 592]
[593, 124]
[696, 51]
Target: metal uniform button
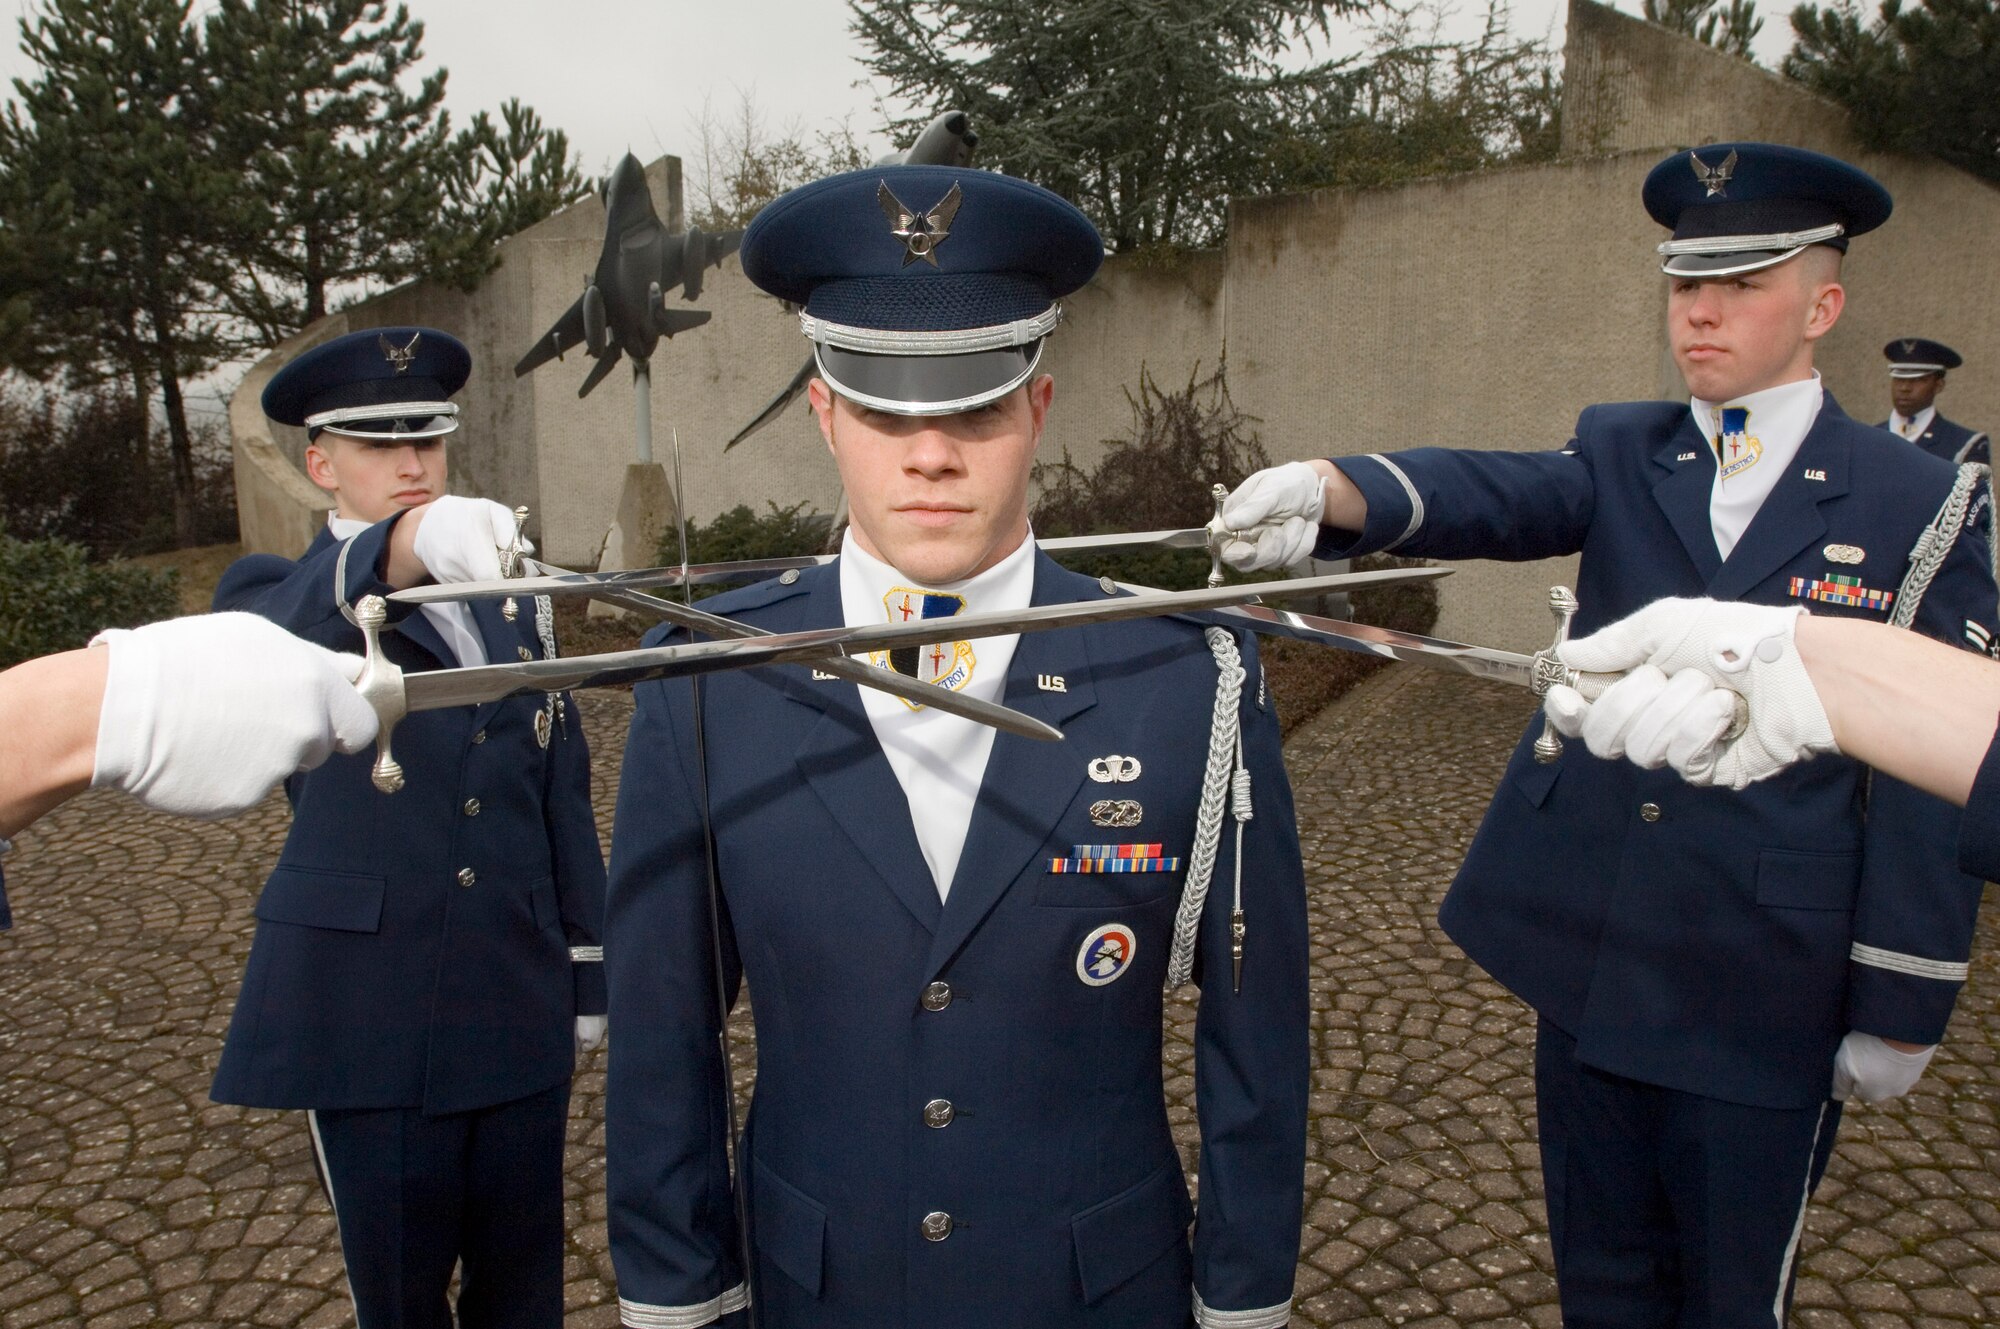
[471, 807]
[937, 1225]
[937, 996]
[526, 654]
[1649, 812]
[466, 876]
[788, 577]
[479, 737]
[938, 1113]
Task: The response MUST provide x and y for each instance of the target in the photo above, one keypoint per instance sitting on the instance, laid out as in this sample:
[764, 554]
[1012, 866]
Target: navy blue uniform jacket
[413, 950]
[1055, 1163]
[1725, 946]
[1947, 439]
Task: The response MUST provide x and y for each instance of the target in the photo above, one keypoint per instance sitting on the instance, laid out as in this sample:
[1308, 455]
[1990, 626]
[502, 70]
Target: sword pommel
[510, 562]
[1550, 670]
[381, 686]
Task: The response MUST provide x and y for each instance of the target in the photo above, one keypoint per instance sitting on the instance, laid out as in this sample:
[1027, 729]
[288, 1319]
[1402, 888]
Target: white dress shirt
[452, 619]
[1778, 422]
[1914, 427]
[939, 759]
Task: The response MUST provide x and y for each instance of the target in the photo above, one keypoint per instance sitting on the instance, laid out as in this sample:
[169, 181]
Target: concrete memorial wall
[1471, 311]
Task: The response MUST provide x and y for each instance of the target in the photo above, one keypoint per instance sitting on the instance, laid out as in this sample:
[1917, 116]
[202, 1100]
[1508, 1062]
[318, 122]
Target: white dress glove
[201, 716]
[1729, 649]
[1868, 1070]
[590, 1032]
[460, 539]
[1278, 510]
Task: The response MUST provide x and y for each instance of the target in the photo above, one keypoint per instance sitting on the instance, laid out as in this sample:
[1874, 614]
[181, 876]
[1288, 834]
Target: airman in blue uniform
[957, 941]
[1917, 366]
[424, 962]
[1699, 957]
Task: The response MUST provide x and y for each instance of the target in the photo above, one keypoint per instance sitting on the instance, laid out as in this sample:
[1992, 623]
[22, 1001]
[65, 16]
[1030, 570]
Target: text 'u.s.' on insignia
[920, 232]
[401, 357]
[1106, 954]
[1844, 553]
[1714, 178]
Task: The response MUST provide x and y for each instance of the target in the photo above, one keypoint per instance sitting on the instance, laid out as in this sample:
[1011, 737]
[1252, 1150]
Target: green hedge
[52, 598]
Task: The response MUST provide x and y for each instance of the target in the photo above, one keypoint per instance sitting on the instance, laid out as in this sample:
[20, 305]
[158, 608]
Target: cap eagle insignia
[1713, 178]
[1909, 345]
[401, 357]
[920, 232]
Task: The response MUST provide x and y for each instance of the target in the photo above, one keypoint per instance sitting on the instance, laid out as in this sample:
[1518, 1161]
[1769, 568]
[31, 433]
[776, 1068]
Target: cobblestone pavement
[127, 1198]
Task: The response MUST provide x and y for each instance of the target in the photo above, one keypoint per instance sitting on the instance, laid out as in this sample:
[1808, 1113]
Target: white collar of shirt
[939, 759]
[1912, 428]
[452, 619]
[1779, 419]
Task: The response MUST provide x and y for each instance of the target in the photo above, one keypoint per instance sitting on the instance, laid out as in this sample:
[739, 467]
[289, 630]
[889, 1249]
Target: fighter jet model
[623, 309]
[946, 141]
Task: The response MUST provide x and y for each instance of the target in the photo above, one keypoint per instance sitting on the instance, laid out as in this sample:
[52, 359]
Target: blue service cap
[388, 383]
[1737, 207]
[1918, 357]
[926, 290]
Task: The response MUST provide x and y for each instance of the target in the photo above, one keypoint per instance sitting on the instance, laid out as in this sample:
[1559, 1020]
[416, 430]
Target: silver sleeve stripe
[640, 1315]
[1268, 1317]
[1945, 971]
[586, 955]
[1416, 500]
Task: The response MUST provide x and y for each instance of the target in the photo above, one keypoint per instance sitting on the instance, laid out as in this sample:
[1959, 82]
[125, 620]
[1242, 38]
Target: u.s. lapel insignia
[1714, 178]
[821, 676]
[1106, 954]
[1687, 456]
[1121, 813]
[1844, 553]
[920, 232]
[402, 357]
[1113, 769]
[542, 726]
[1052, 682]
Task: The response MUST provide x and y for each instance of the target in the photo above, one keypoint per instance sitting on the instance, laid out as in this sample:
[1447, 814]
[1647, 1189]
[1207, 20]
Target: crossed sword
[394, 694]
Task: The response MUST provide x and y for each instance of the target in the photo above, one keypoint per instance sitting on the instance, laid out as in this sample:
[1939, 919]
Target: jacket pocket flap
[790, 1227]
[1799, 879]
[1124, 1234]
[345, 901]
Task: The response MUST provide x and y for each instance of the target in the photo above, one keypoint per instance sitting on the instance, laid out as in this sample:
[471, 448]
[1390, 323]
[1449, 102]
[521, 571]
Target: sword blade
[702, 574]
[463, 687]
[1387, 643]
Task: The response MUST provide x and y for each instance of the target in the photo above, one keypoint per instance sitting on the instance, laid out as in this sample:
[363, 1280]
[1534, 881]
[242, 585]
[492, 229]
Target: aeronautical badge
[1105, 954]
[1979, 639]
[1839, 589]
[1714, 178]
[402, 357]
[920, 232]
[1113, 769]
[1116, 812]
[1844, 553]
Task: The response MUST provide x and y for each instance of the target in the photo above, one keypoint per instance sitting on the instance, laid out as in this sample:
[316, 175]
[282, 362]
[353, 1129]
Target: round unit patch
[1106, 954]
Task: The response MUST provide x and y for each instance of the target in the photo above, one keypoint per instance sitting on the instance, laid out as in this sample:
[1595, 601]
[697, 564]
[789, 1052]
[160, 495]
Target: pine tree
[118, 210]
[1727, 30]
[1917, 79]
[1148, 114]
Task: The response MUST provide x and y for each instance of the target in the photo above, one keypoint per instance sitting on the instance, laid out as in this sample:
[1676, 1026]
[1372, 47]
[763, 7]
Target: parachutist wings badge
[920, 232]
[401, 357]
[1714, 177]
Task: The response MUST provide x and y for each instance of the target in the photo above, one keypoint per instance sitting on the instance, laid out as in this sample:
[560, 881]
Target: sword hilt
[1217, 533]
[381, 686]
[1549, 670]
[510, 562]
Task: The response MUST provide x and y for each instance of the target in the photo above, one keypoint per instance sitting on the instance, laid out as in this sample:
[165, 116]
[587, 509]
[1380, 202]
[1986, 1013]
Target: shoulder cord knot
[1225, 776]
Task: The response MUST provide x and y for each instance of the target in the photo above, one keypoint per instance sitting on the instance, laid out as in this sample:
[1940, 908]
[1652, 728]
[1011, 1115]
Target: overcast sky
[634, 73]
